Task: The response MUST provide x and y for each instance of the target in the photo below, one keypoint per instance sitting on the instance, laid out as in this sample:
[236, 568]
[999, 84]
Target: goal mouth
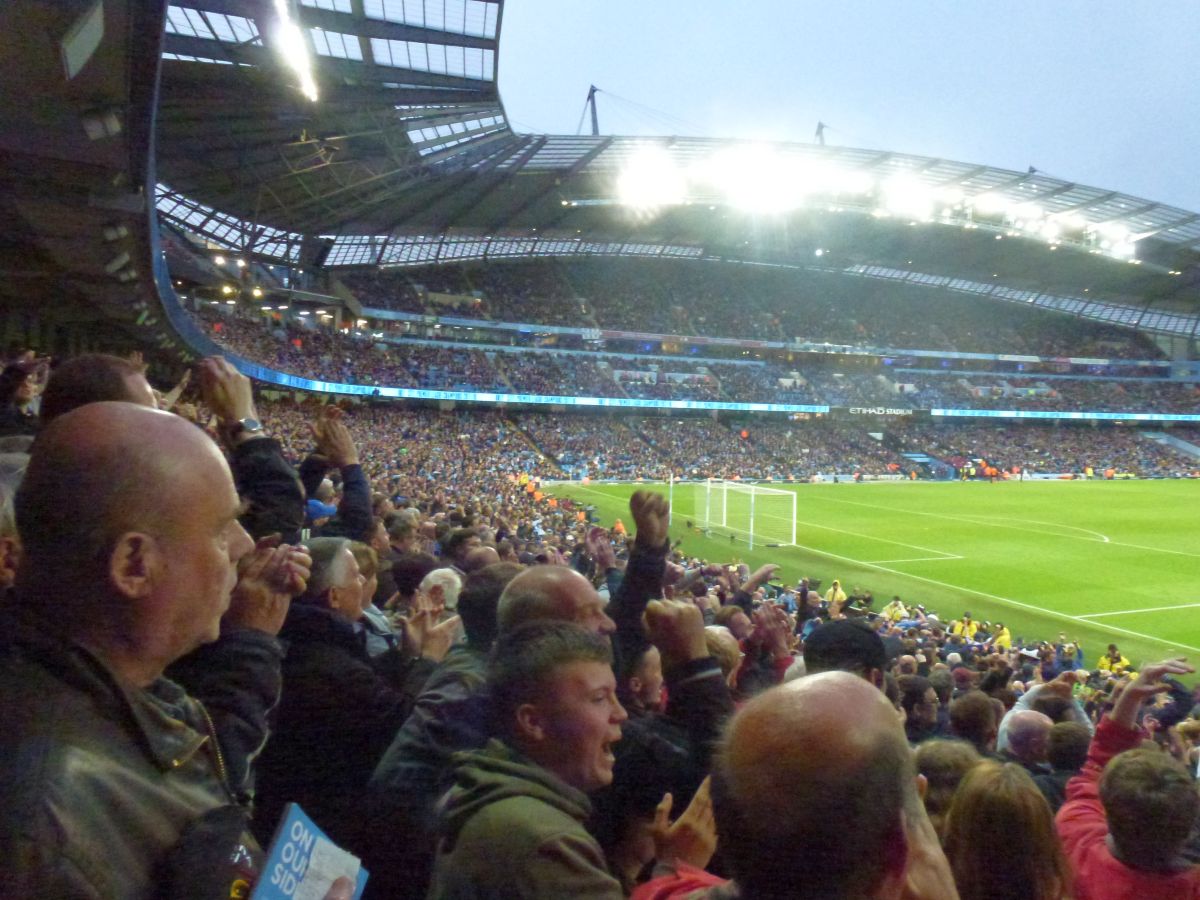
[753, 513]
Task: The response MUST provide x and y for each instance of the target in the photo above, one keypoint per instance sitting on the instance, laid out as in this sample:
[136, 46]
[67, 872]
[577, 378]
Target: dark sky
[1103, 93]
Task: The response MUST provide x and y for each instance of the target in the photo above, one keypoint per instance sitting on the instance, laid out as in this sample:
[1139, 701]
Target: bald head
[479, 558]
[824, 748]
[1029, 735]
[552, 592]
[98, 471]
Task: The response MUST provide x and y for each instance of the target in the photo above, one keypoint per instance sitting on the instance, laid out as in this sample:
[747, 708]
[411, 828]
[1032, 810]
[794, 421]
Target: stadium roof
[407, 156]
[408, 141]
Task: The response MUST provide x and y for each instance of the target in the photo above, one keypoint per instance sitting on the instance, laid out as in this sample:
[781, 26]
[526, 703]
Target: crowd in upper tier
[743, 301]
[346, 357]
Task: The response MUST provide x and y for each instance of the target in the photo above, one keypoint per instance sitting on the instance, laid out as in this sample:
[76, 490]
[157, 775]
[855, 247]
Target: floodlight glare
[906, 196]
[651, 180]
[756, 179]
[219, 260]
[988, 203]
[294, 49]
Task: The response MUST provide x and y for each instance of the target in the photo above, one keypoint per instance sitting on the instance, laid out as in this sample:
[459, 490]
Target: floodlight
[226, 289]
[257, 292]
[757, 179]
[905, 195]
[219, 260]
[988, 203]
[651, 180]
[241, 264]
[294, 49]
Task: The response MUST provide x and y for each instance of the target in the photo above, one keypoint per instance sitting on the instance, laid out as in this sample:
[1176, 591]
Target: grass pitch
[1099, 561]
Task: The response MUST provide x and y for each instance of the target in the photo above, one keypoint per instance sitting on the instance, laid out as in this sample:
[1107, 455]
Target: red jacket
[684, 882]
[1083, 828]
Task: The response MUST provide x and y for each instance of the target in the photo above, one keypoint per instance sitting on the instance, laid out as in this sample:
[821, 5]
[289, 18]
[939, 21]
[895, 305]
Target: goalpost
[761, 515]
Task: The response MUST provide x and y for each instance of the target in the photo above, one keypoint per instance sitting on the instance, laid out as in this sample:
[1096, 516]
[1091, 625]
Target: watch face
[250, 425]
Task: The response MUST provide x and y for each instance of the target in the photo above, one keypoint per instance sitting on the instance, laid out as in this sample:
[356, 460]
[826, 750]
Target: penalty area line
[1134, 612]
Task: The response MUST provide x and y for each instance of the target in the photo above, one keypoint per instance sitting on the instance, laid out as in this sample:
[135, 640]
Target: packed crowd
[679, 297]
[1046, 449]
[343, 357]
[217, 607]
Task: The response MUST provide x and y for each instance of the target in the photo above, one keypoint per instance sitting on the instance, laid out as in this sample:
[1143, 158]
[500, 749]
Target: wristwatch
[246, 426]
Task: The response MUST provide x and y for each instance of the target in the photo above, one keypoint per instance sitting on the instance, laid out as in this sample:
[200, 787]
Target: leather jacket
[98, 779]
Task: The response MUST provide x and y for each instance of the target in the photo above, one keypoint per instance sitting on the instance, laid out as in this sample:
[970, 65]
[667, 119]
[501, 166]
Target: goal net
[757, 514]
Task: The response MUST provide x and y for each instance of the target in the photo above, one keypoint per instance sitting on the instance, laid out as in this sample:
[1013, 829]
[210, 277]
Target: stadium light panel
[756, 179]
[988, 203]
[651, 180]
[293, 49]
[905, 196]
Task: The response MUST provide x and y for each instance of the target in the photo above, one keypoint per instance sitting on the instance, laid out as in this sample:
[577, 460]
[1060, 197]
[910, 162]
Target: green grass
[1100, 561]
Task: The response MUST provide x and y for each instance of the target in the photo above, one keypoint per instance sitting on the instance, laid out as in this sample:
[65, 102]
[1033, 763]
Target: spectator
[848, 647]
[1129, 812]
[19, 387]
[1028, 740]
[920, 703]
[376, 628]
[943, 762]
[128, 519]
[1066, 753]
[401, 868]
[91, 378]
[523, 798]
[337, 703]
[1000, 840]
[795, 757]
[1113, 662]
[973, 719]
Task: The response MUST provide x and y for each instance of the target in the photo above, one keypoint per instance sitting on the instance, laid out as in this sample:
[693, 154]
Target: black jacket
[337, 714]
[271, 488]
[98, 779]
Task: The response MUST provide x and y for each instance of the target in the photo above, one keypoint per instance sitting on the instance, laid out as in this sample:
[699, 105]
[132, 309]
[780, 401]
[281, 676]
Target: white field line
[941, 553]
[1001, 524]
[879, 562]
[1134, 612]
[1008, 601]
[1005, 600]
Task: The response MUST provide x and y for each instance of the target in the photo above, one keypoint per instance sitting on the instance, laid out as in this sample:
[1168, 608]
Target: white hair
[330, 567]
[448, 580]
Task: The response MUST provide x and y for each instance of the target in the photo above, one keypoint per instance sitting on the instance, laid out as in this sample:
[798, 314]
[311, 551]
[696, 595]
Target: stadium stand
[306, 565]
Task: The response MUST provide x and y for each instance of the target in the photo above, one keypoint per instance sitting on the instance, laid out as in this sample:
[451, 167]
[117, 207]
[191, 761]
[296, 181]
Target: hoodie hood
[498, 772]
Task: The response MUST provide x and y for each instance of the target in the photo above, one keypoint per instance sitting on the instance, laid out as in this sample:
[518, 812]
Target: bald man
[553, 592]
[1028, 733]
[129, 524]
[816, 794]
